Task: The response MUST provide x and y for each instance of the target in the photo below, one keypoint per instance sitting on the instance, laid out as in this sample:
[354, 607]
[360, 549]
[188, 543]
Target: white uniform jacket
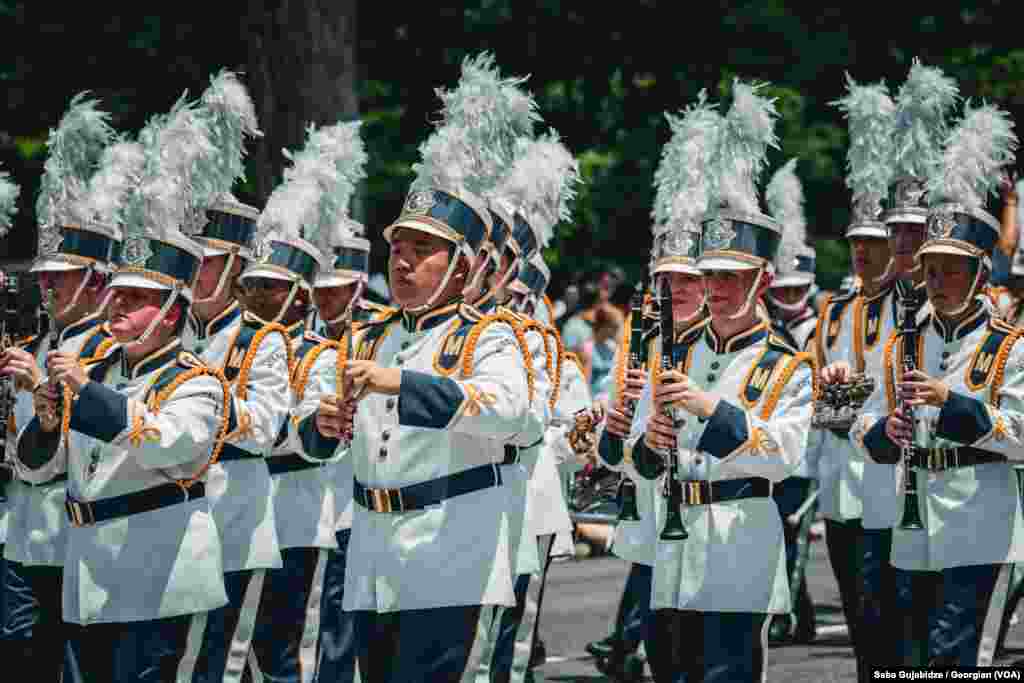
[465, 391]
[303, 481]
[139, 429]
[734, 559]
[254, 358]
[38, 522]
[971, 514]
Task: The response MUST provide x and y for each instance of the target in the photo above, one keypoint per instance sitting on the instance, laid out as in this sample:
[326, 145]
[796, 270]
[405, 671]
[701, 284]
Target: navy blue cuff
[99, 412]
[963, 419]
[426, 400]
[36, 447]
[725, 432]
[882, 449]
[315, 444]
[609, 448]
[646, 462]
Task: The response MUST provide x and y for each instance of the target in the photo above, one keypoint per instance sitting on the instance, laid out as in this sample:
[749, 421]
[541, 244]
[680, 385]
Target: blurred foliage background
[603, 74]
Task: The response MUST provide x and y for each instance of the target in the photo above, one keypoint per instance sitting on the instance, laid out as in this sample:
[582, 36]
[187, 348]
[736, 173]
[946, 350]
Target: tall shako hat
[177, 148]
[68, 238]
[301, 210]
[972, 169]
[9, 191]
[532, 280]
[870, 116]
[1017, 266]
[923, 106]
[682, 187]
[794, 260]
[462, 161]
[227, 225]
[537, 192]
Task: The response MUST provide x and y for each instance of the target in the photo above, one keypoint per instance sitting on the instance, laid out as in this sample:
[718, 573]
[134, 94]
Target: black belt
[511, 455]
[424, 494]
[704, 492]
[293, 462]
[59, 479]
[939, 459]
[230, 453]
[85, 513]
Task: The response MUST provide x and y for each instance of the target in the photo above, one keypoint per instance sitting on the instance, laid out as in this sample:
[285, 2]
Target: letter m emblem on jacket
[760, 377]
[984, 361]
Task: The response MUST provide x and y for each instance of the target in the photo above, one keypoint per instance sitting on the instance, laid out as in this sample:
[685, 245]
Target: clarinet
[627, 487]
[908, 331]
[674, 530]
[8, 395]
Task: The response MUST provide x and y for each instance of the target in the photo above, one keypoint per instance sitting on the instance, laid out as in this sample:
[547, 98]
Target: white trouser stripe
[527, 629]
[193, 641]
[311, 629]
[764, 647]
[994, 617]
[241, 641]
[488, 640]
[485, 624]
[254, 668]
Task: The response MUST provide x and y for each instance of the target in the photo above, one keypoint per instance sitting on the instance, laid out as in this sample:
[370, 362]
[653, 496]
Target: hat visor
[518, 287]
[945, 248]
[335, 280]
[724, 263]
[677, 268]
[793, 281]
[209, 252]
[421, 226]
[136, 280]
[45, 265]
[268, 273]
[876, 233]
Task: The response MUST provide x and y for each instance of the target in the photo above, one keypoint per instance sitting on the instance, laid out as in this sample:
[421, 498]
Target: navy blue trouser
[416, 646]
[707, 647]
[943, 614]
[228, 635]
[633, 618]
[284, 640]
[337, 627]
[33, 629]
[156, 651]
[845, 543]
[789, 495]
[881, 583]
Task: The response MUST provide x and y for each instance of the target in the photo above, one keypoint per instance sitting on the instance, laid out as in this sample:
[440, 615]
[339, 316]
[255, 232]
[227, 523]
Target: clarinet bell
[911, 514]
[674, 529]
[627, 501]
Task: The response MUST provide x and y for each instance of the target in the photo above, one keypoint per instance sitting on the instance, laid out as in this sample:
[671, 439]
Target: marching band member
[859, 496]
[952, 414]
[253, 355]
[745, 427]
[74, 254]
[795, 321]
[139, 428]
[279, 282]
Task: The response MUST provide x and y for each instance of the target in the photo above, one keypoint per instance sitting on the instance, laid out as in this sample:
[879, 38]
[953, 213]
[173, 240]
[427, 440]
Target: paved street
[581, 598]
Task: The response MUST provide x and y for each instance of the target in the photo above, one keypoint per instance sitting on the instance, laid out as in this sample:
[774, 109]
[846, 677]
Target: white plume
[743, 148]
[784, 196]
[120, 171]
[9, 191]
[231, 117]
[923, 106]
[869, 112]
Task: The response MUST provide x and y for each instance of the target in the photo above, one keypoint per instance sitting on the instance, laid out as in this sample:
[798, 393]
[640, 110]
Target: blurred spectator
[578, 328]
[598, 353]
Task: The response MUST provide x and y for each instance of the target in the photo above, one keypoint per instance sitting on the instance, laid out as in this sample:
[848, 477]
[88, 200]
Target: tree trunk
[302, 70]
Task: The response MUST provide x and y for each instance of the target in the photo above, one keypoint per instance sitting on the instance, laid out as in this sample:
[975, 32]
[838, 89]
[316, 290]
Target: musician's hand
[671, 387]
[661, 433]
[332, 420]
[45, 404]
[898, 428]
[636, 379]
[366, 377]
[836, 372]
[918, 389]
[619, 422]
[20, 364]
[64, 367]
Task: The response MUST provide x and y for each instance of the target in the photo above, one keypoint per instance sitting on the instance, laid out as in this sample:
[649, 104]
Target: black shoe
[601, 648]
[779, 631]
[539, 655]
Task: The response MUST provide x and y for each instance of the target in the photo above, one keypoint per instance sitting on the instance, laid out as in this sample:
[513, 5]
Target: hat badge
[136, 251]
[261, 251]
[718, 234]
[679, 243]
[419, 202]
[908, 192]
[941, 224]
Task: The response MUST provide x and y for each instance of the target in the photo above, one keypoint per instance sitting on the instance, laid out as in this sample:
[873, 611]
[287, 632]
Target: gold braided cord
[890, 382]
[242, 385]
[1002, 355]
[301, 376]
[776, 393]
[550, 307]
[621, 361]
[474, 337]
[572, 357]
[103, 348]
[858, 332]
[157, 400]
[341, 360]
[551, 331]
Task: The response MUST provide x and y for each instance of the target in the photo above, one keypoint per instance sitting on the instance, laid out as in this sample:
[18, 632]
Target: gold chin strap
[220, 283]
[750, 295]
[969, 299]
[89, 270]
[360, 286]
[159, 317]
[288, 301]
[444, 284]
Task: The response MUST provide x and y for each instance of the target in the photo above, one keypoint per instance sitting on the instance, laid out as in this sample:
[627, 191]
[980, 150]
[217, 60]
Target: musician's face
[870, 256]
[332, 301]
[58, 288]
[687, 294]
[132, 309]
[948, 279]
[501, 295]
[416, 268]
[727, 290]
[904, 240]
[210, 272]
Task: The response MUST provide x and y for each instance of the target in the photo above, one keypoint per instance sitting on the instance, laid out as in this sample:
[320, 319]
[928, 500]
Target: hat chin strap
[158, 318]
[482, 272]
[288, 301]
[745, 308]
[89, 270]
[220, 283]
[969, 299]
[422, 308]
[789, 308]
[360, 285]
